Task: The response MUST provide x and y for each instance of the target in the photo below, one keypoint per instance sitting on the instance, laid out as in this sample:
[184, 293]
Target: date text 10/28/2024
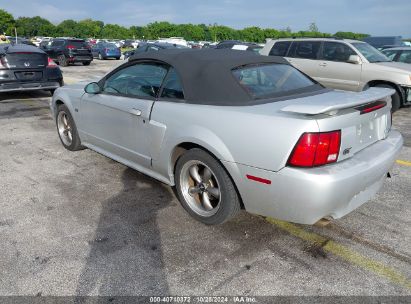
[203, 299]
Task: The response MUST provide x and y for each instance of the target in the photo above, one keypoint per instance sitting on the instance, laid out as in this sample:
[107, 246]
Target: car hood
[396, 66]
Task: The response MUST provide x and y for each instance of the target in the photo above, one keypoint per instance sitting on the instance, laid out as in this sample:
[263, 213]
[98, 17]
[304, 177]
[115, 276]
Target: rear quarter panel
[258, 136]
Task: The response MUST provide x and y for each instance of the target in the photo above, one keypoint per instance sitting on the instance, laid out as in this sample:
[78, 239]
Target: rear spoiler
[329, 103]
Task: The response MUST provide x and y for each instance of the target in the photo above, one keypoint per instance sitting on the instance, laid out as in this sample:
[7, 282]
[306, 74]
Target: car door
[334, 70]
[303, 55]
[51, 51]
[114, 121]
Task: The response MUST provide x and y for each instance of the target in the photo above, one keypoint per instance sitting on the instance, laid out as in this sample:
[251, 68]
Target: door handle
[135, 111]
[323, 64]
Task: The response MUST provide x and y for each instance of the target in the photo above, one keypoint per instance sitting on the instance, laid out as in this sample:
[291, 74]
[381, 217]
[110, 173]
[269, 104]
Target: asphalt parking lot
[78, 223]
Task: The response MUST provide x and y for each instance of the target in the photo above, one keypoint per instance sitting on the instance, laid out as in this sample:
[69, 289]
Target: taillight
[70, 47]
[51, 63]
[316, 149]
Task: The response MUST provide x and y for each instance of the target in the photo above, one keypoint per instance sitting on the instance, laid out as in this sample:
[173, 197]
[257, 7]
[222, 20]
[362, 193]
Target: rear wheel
[395, 99]
[52, 91]
[117, 58]
[100, 56]
[62, 60]
[204, 188]
[86, 62]
[67, 130]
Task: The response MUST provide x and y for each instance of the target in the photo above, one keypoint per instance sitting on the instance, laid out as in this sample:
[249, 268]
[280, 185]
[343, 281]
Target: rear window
[77, 43]
[273, 80]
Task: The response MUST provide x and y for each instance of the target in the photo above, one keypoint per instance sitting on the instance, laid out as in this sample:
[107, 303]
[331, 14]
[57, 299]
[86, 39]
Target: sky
[375, 17]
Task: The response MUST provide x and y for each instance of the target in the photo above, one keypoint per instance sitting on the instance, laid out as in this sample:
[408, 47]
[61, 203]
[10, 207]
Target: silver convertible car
[234, 130]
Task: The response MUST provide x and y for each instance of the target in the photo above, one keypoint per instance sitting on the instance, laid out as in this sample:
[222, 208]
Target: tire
[74, 144]
[86, 62]
[52, 91]
[210, 198]
[117, 58]
[395, 99]
[100, 56]
[62, 60]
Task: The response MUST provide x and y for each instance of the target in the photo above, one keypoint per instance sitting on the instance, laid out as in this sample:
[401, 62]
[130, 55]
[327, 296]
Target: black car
[67, 51]
[27, 68]
[227, 44]
[156, 46]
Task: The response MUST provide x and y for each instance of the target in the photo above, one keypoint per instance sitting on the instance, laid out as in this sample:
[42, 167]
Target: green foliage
[350, 35]
[7, 22]
[34, 26]
[313, 28]
[89, 28]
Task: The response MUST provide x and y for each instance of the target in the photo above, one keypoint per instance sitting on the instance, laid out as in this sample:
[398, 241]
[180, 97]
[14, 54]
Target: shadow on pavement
[125, 254]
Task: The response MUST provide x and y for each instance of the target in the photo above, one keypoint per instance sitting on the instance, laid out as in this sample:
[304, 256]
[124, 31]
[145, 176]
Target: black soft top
[17, 48]
[206, 74]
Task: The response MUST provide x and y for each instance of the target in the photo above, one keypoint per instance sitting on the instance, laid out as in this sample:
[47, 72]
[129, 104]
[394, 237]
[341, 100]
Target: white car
[345, 65]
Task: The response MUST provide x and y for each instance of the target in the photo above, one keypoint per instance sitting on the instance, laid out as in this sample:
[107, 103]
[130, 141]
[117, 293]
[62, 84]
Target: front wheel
[204, 188]
[86, 62]
[67, 130]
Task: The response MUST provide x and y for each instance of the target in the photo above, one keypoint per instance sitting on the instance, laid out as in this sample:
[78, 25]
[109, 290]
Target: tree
[7, 22]
[313, 28]
[34, 26]
[89, 28]
[67, 28]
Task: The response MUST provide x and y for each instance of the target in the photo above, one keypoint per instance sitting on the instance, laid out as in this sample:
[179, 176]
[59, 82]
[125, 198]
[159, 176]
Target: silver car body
[149, 135]
[351, 76]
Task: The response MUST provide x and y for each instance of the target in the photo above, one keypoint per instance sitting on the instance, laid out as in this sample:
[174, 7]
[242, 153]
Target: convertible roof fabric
[206, 74]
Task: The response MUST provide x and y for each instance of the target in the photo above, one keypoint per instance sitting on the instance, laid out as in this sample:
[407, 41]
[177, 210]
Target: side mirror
[92, 88]
[355, 59]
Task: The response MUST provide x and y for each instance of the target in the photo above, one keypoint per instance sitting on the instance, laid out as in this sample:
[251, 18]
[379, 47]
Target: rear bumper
[80, 58]
[29, 86]
[307, 195]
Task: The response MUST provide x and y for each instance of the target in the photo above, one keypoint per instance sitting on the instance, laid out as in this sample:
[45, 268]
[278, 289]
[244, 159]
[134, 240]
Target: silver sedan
[234, 130]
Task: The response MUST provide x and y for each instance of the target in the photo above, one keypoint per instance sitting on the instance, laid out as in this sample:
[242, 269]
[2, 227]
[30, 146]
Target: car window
[369, 52]
[390, 54]
[265, 80]
[305, 49]
[140, 80]
[405, 57]
[172, 87]
[57, 43]
[336, 51]
[280, 48]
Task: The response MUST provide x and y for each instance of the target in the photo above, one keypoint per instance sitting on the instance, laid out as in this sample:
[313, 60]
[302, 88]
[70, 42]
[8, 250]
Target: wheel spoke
[206, 201]
[206, 174]
[65, 123]
[214, 191]
[194, 174]
[69, 135]
[194, 190]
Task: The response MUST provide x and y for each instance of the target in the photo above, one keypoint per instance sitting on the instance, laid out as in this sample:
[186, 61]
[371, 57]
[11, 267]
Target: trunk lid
[363, 118]
[26, 60]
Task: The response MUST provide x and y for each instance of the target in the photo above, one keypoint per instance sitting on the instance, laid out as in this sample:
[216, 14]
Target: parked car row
[345, 65]
[206, 122]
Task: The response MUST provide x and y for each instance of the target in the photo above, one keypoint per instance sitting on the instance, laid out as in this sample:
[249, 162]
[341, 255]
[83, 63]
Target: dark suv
[66, 51]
